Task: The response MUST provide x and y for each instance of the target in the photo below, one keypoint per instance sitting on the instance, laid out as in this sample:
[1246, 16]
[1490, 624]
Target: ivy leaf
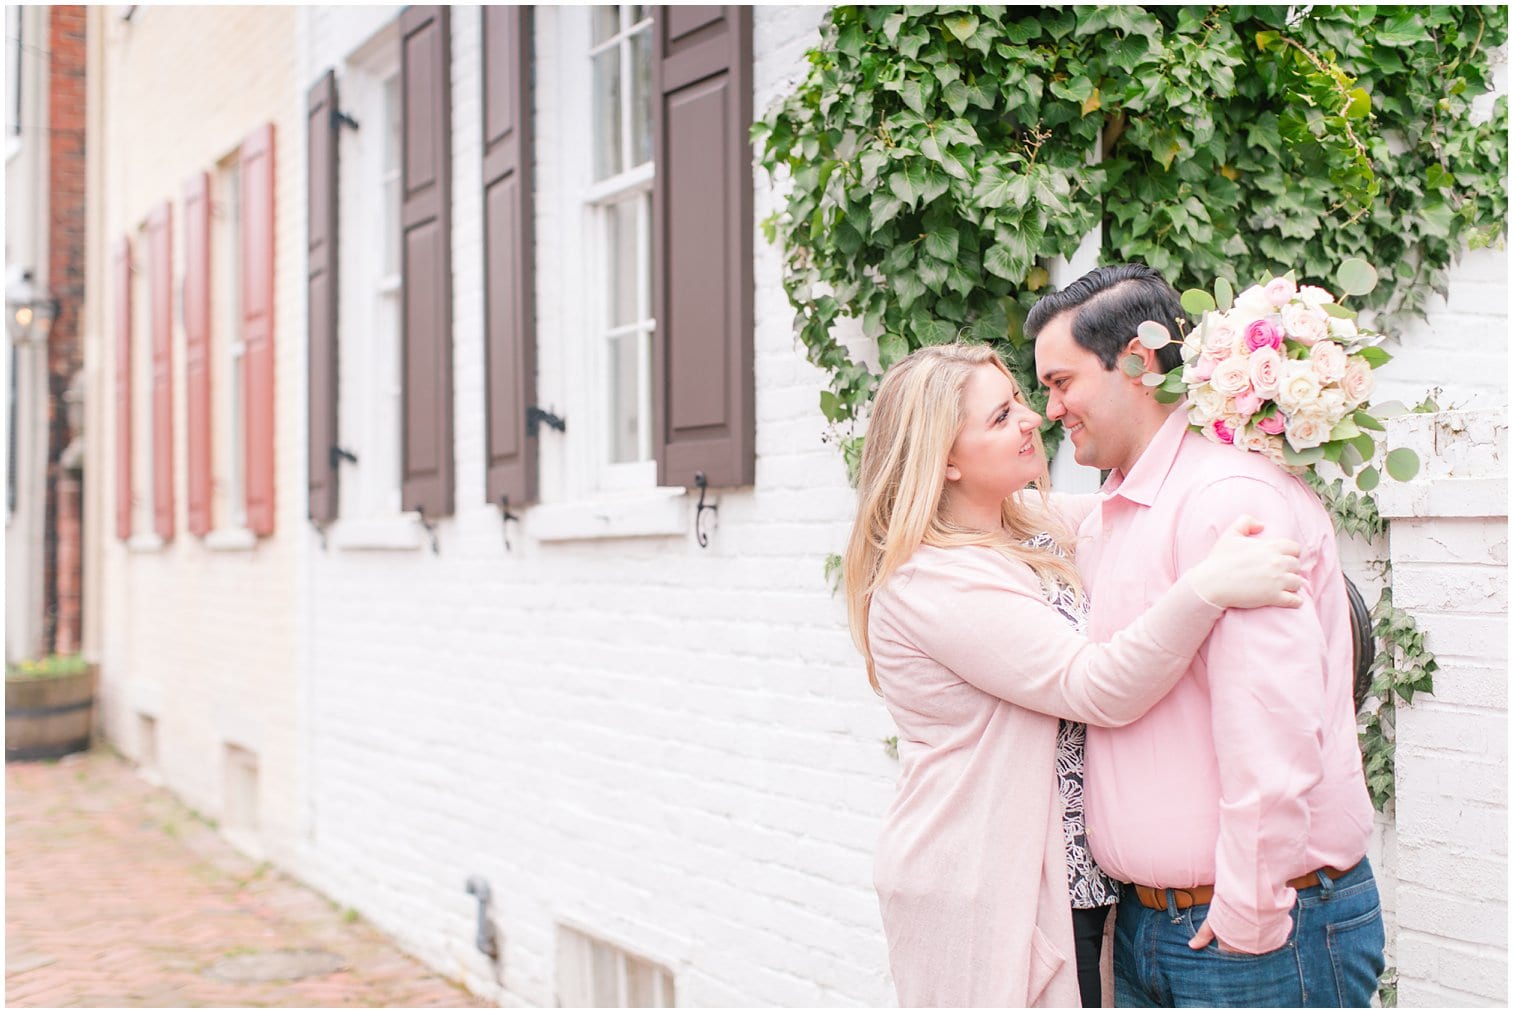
[890, 348]
[1006, 262]
[1366, 420]
[1359, 105]
[907, 286]
[942, 243]
[993, 188]
[830, 405]
[913, 94]
[1402, 464]
[1375, 356]
[963, 27]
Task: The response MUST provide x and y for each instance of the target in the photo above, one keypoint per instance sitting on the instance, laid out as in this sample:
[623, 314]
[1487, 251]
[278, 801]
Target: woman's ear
[953, 473]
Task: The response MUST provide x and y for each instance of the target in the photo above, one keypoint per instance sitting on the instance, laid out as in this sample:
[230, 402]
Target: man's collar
[1143, 483]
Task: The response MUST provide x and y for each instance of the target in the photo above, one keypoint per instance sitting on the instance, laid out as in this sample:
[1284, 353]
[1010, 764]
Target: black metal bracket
[430, 527]
[486, 940]
[338, 455]
[535, 415]
[341, 119]
[698, 517]
[505, 517]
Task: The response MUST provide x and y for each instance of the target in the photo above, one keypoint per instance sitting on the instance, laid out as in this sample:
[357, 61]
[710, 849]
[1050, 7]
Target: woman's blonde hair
[916, 417]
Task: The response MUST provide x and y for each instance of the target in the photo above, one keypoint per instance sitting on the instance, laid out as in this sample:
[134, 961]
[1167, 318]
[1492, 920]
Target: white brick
[1430, 724]
[1429, 772]
[1476, 970]
[1450, 587]
[1450, 540]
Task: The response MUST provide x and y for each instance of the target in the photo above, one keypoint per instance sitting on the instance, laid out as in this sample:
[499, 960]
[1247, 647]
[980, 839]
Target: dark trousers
[1087, 931]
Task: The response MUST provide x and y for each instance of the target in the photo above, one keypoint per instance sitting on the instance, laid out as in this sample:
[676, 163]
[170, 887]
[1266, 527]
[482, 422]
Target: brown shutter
[197, 348]
[123, 388]
[322, 292]
[160, 299]
[257, 324]
[425, 217]
[701, 246]
[508, 254]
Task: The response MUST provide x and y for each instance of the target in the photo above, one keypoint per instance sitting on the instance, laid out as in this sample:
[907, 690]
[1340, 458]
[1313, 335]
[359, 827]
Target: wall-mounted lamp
[29, 314]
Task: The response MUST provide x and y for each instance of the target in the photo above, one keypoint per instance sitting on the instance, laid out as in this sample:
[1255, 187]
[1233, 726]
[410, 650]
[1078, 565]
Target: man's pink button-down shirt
[1247, 774]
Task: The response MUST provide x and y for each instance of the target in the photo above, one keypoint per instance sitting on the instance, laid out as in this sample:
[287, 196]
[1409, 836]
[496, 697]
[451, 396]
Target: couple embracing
[1138, 700]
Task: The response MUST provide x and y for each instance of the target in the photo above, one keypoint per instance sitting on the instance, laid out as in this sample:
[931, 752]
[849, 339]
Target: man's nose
[1054, 409]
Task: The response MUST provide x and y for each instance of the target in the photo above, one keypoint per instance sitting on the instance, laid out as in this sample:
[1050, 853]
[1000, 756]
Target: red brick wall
[62, 566]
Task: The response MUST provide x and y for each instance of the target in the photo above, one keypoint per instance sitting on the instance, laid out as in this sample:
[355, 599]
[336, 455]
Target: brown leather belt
[1192, 896]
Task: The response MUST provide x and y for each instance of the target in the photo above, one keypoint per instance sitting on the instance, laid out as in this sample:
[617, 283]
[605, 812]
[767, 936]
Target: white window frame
[579, 984]
[144, 536]
[584, 496]
[371, 382]
[228, 360]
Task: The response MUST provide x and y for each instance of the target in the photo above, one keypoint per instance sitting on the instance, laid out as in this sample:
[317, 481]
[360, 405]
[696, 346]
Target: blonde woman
[965, 605]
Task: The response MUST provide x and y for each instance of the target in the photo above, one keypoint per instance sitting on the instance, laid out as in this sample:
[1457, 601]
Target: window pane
[607, 114]
[624, 262]
[606, 22]
[640, 985]
[625, 398]
[393, 142]
[637, 14]
[640, 97]
[606, 964]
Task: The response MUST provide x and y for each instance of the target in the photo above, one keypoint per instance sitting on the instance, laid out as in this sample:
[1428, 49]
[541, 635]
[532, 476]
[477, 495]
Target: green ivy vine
[935, 160]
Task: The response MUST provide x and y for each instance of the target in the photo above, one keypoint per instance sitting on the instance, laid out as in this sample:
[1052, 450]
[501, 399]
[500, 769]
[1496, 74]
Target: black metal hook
[535, 415]
[341, 119]
[702, 482]
[505, 517]
[339, 454]
[430, 527]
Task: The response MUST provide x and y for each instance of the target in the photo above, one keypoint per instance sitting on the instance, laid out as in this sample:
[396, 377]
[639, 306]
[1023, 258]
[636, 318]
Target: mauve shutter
[508, 248]
[197, 348]
[257, 324]
[425, 217]
[322, 302]
[160, 299]
[701, 246]
[123, 388]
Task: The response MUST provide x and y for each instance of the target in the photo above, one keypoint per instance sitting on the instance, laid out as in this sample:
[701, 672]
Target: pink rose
[1265, 371]
[1261, 334]
[1273, 425]
[1203, 369]
[1305, 325]
[1328, 361]
[1231, 377]
[1279, 291]
[1357, 383]
[1222, 432]
[1247, 404]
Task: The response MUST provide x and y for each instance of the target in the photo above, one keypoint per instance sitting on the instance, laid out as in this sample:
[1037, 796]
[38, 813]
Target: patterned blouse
[1088, 885]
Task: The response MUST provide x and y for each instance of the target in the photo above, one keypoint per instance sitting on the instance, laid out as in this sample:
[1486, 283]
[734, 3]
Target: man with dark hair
[1235, 810]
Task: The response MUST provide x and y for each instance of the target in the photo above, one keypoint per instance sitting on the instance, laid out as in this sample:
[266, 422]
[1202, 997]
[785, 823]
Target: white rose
[1303, 324]
[1265, 371]
[1328, 361]
[1314, 297]
[1299, 387]
[1254, 302]
[1204, 404]
[1342, 327]
[1251, 438]
[1231, 376]
[1358, 382]
[1219, 338]
[1306, 430]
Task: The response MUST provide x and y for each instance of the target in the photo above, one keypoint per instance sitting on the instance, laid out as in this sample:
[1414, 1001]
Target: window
[371, 385]
[594, 973]
[13, 50]
[230, 349]
[619, 208]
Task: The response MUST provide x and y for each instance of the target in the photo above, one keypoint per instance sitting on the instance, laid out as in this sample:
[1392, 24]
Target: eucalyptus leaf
[1152, 379]
[1153, 335]
[1224, 293]
[1197, 302]
[1132, 365]
[1356, 277]
[1402, 464]
[1368, 479]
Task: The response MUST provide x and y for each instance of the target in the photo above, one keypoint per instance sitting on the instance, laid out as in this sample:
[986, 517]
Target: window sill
[144, 543]
[231, 540]
[648, 513]
[395, 533]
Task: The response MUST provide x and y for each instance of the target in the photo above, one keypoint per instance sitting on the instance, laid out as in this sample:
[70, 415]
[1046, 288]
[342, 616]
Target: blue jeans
[1332, 958]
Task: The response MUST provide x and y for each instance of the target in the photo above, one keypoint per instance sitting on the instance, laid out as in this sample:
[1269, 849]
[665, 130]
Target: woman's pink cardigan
[975, 668]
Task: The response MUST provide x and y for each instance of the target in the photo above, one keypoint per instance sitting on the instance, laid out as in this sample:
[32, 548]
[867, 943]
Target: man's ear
[1146, 356]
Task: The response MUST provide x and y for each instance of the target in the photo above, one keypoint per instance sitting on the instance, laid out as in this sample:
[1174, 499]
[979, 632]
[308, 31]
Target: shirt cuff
[1246, 934]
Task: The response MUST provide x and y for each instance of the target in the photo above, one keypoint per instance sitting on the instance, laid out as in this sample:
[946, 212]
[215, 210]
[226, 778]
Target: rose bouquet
[1283, 370]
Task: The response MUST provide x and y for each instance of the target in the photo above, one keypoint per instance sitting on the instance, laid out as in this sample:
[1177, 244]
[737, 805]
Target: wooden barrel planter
[48, 717]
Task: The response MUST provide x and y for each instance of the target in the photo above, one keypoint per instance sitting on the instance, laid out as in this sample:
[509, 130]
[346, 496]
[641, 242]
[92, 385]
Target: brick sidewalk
[117, 895]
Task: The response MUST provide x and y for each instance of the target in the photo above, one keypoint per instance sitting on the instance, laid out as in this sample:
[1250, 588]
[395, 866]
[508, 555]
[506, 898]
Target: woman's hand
[1243, 571]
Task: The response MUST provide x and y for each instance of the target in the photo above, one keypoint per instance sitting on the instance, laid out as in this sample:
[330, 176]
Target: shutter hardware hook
[535, 415]
[341, 119]
[702, 482]
[505, 517]
[430, 527]
[339, 455]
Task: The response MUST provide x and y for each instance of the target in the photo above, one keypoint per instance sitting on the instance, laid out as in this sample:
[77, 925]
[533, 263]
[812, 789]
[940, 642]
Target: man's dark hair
[1109, 304]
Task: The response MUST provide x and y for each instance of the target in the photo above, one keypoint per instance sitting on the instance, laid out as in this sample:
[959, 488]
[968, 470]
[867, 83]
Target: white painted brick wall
[201, 639]
[1449, 548]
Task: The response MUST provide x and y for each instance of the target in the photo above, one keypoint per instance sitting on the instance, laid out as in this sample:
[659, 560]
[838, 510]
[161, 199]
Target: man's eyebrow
[1050, 373]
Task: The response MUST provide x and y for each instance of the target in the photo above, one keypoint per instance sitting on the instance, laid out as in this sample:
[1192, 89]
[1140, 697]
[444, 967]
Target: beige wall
[197, 634]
